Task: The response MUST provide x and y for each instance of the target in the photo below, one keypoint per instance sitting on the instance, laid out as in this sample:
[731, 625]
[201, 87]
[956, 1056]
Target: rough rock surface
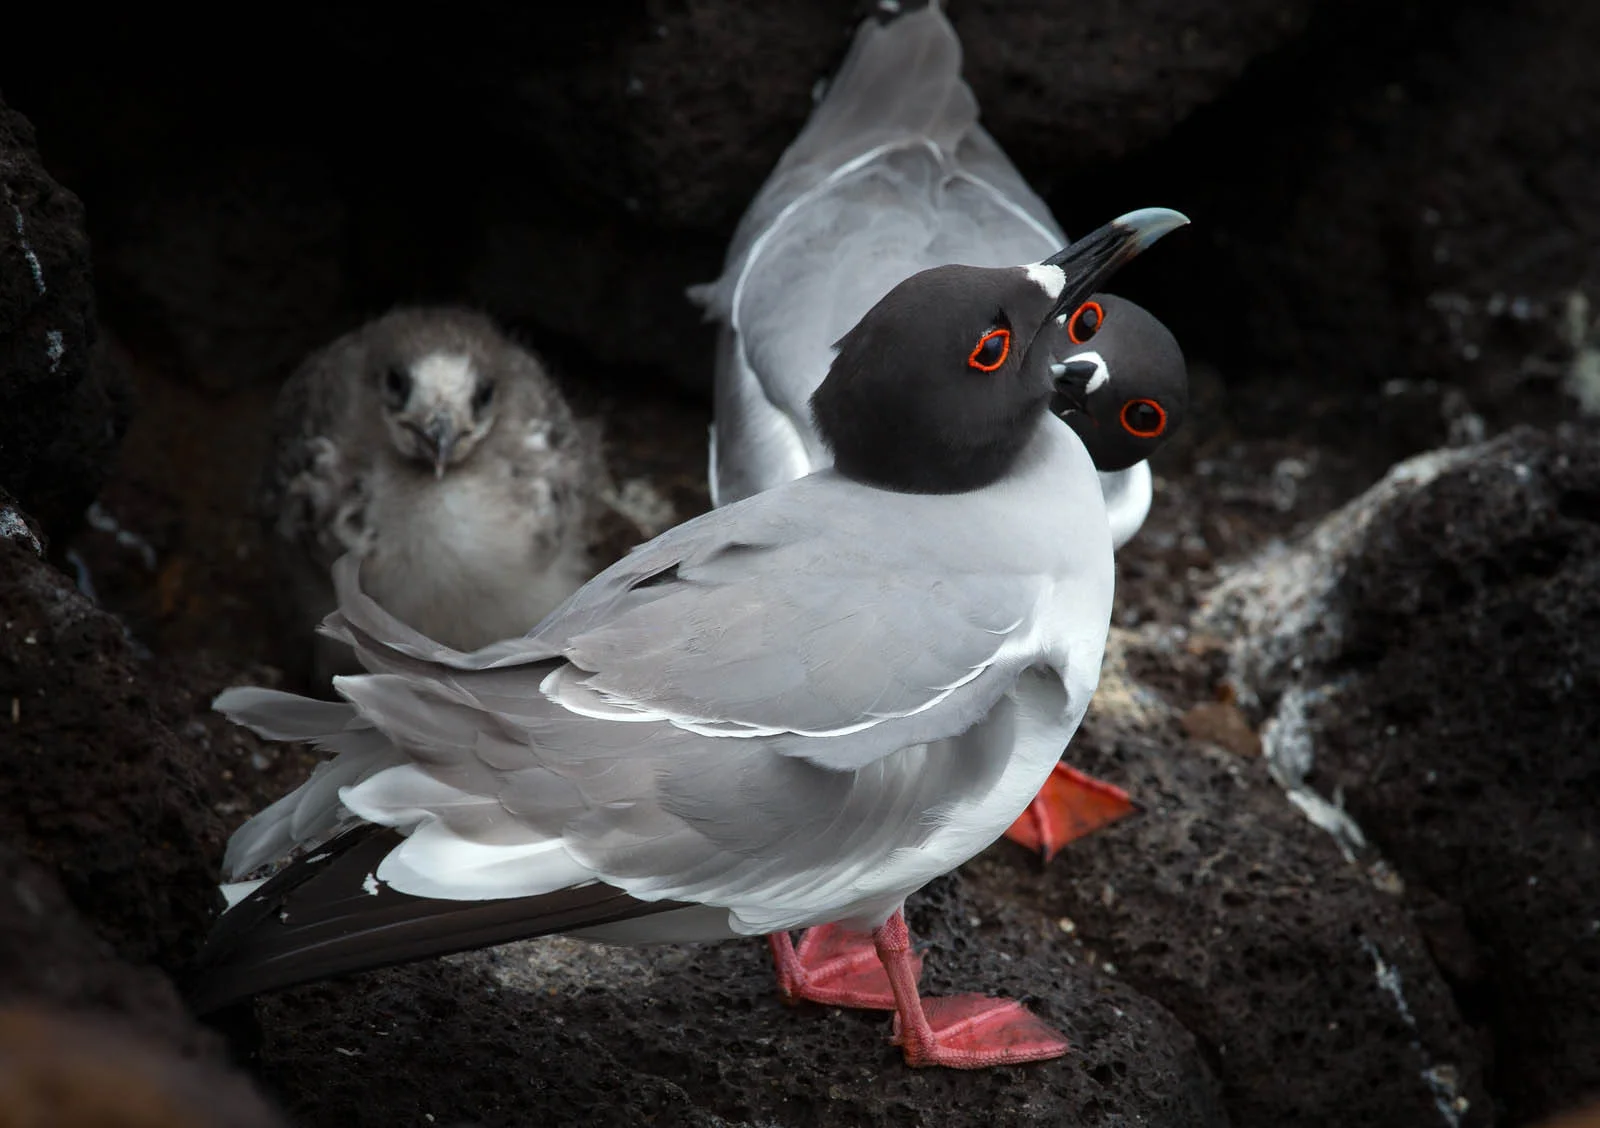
[675, 113]
[1398, 200]
[97, 787]
[86, 1039]
[59, 396]
[1447, 689]
[50, 955]
[262, 224]
[698, 1036]
[1311, 993]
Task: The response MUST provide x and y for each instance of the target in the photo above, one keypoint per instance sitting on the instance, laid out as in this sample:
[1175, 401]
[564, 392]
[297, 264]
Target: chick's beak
[439, 438]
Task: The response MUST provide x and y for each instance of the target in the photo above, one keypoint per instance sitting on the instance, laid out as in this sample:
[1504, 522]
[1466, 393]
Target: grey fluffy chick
[443, 454]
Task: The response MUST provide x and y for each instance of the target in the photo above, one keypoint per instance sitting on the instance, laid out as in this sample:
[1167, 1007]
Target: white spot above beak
[1102, 371]
[1051, 279]
[450, 373]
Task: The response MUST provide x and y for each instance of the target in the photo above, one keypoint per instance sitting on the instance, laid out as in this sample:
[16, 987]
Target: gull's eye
[1086, 322]
[1143, 418]
[991, 351]
[482, 397]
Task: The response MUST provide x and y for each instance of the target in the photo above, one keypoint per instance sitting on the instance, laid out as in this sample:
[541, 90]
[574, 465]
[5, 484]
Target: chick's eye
[1143, 418]
[483, 396]
[991, 351]
[1085, 323]
[397, 382]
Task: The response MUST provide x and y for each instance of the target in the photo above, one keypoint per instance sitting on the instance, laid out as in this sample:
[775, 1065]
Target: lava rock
[51, 956]
[1395, 206]
[1427, 653]
[675, 113]
[87, 1039]
[568, 1033]
[1308, 989]
[76, 1071]
[1066, 86]
[229, 266]
[62, 402]
[97, 788]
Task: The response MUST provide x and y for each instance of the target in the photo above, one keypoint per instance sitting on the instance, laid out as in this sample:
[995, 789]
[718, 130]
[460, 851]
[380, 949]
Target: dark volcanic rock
[697, 1036]
[75, 1071]
[677, 112]
[61, 408]
[230, 265]
[1308, 989]
[1065, 86]
[1450, 690]
[50, 955]
[1401, 198]
[105, 833]
[88, 1040]
[96, 787]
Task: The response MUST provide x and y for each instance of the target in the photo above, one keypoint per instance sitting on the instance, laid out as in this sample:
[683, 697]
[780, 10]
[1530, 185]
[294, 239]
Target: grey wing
[755, 443]
[509, 791]
[508, 794]
[742, 713]
[900, 85]
[757, 620]
[899, 82]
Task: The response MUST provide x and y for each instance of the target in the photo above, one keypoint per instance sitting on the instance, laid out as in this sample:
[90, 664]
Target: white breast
[464, 562]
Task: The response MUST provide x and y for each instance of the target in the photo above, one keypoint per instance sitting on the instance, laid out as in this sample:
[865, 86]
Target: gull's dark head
[1125, 386]
[941, 384]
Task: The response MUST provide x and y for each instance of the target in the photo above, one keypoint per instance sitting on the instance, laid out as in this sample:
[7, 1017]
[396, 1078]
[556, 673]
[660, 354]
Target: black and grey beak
[1085, 266]
[439, 437]
[1074, 379]
[1105, 250]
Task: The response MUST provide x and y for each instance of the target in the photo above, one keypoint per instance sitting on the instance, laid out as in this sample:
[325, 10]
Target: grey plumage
[799, 731]
[441, 454]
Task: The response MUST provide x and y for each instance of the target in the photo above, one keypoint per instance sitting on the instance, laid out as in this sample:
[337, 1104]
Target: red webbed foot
[1069, 805]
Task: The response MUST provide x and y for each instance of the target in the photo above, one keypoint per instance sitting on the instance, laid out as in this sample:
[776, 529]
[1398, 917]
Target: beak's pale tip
[1150, 224]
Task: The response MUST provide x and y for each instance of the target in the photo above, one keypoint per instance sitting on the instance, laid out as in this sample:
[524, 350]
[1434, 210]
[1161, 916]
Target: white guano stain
[27, 250]
[13, 527]
[1442, 1079]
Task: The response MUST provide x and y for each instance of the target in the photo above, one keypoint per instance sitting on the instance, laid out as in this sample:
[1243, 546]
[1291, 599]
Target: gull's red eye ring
[991, 350]
[1143, 418]
[1086, 322]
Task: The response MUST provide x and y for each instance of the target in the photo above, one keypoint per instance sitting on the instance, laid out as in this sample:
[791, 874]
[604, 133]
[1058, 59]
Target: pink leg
[963, 1031]
[1069, 805]
[834, 966]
